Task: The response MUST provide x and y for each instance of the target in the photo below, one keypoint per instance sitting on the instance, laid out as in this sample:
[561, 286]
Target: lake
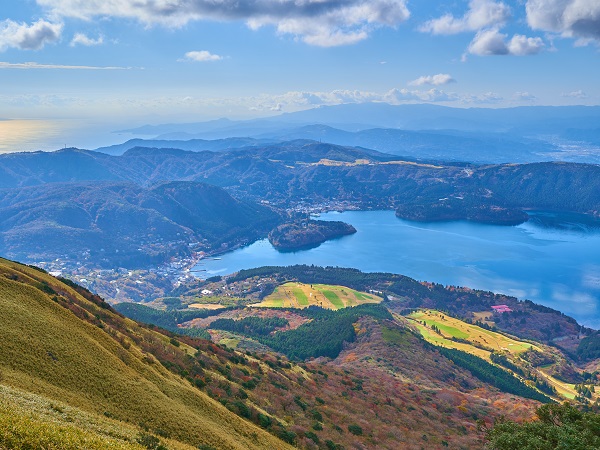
[552, 259]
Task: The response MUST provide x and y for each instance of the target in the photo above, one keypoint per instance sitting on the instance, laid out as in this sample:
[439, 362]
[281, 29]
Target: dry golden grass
[47, 350]
[486, 317]
[211, 306]
[300, 295]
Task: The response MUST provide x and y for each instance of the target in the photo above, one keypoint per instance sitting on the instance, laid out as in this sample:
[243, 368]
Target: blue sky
[140, 61]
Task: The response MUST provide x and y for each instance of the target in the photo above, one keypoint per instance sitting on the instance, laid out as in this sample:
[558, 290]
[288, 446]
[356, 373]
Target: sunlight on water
[30, 135]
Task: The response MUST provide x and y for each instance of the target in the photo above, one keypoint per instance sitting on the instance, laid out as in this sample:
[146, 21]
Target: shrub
[355, 429]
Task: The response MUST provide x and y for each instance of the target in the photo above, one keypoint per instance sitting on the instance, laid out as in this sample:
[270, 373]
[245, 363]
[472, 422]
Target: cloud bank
[492, 42]
[481, 14]
[34, 65]
[82, 39]
[316, 22]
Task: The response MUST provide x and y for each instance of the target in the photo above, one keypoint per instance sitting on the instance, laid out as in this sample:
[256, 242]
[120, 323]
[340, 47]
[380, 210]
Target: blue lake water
[552, 260]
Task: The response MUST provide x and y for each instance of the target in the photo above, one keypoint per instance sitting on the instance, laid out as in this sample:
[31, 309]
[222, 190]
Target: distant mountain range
[356, 117]
[484, 135]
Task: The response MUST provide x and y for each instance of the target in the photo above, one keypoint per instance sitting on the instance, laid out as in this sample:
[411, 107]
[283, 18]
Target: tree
[557, 427]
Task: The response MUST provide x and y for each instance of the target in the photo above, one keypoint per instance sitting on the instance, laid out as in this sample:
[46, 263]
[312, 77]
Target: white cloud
[202, 56]
[316, 22]
[481, 14]
[575, 94]
[492, 42]
[28, 37]
[82, 39]
[435, 80]
[570, 18]
[34, 65]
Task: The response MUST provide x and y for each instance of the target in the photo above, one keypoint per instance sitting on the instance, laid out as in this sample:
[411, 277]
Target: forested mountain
[124, 224]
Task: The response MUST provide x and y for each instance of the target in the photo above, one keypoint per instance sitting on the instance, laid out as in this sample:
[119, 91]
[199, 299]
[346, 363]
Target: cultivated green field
[299, 295]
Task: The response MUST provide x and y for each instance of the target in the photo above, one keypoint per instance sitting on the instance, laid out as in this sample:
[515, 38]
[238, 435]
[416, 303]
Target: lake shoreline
[528, 261]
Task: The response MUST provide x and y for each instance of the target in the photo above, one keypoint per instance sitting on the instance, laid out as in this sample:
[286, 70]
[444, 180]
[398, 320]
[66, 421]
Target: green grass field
[299, 295]
[334, 299]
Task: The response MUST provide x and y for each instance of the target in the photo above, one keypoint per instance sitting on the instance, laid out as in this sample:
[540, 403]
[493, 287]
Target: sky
[153, 61]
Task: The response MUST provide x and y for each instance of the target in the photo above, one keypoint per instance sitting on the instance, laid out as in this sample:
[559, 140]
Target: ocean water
[48, 135]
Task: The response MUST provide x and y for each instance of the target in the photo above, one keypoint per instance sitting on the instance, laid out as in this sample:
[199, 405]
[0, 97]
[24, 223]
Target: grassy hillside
[65, 347]
[451, 333]
[300, 295]
[33, 421]
[481, 339]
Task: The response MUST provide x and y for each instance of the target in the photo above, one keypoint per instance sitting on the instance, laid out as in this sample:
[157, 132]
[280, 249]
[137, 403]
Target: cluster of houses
[501, 309]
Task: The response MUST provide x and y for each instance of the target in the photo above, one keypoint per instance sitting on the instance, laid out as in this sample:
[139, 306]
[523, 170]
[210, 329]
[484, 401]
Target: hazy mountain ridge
[518, 134]
[195, 145]
[355, 116]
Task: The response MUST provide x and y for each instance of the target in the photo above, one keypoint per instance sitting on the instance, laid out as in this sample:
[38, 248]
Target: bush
[355, 429]
[312, 436]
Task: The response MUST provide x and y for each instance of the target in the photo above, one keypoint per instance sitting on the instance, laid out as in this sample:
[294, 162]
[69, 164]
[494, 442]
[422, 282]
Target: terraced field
[299, 295]
[454, 333]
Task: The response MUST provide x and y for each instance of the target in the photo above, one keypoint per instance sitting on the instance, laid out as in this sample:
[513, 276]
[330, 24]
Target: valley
[180, 206]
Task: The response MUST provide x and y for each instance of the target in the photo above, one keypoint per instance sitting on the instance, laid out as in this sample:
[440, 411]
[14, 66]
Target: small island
[307, 234]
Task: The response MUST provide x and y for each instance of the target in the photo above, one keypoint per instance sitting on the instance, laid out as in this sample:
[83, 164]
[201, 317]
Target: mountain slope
[122, 223]
[63, 346]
